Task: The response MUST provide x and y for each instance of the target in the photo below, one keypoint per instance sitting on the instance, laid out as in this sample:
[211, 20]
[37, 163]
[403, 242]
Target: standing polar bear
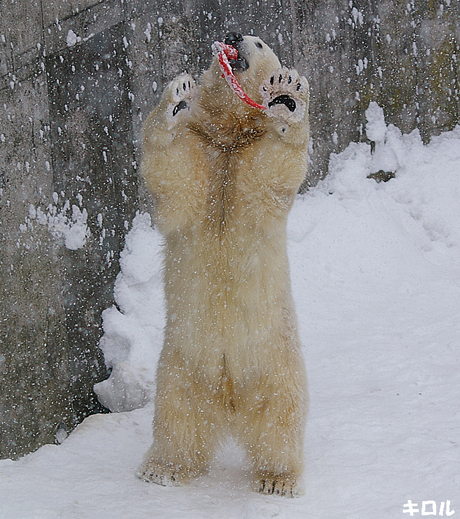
[224, 176]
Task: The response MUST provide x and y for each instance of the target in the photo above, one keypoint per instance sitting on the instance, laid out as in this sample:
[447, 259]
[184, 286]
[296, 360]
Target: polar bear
[224, 176]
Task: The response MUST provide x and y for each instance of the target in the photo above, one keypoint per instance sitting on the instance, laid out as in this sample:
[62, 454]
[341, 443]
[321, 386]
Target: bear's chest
[225, 146]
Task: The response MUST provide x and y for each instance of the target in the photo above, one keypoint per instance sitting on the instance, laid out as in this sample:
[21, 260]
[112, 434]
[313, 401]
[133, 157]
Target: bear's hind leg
[183, 437]
[272, 430]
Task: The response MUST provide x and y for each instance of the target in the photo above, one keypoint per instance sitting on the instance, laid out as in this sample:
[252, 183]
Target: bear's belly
[225, 297]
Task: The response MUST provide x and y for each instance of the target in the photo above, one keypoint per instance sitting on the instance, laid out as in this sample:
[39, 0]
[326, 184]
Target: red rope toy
[224, 53]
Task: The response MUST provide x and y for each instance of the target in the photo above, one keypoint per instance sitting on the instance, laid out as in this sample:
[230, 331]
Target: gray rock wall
[78, 77]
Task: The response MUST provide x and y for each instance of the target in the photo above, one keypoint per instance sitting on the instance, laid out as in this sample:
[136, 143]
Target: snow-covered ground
[376, 278]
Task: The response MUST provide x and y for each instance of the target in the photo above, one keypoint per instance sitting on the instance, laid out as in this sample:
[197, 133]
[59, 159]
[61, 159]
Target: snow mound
[133, 329]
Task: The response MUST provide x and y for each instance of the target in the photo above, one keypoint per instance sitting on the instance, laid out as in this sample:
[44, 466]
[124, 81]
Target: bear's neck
[221, 118]
[226, 127]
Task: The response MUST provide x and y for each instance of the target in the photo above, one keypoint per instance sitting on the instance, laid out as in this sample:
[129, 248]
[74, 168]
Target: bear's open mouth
[234, 40]
[240, 64]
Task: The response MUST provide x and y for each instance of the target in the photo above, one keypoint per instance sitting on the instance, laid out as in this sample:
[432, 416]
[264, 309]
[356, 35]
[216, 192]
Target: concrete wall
[78, 77]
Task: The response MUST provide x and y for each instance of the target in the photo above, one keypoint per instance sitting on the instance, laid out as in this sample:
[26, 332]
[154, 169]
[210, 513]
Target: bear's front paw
[182, 90]
[285, 94]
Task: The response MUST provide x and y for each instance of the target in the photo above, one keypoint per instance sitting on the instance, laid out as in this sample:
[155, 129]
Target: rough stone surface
[77, 79]
[34, 375]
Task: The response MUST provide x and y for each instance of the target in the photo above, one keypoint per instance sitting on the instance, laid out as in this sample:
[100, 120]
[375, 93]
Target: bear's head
[254, 64]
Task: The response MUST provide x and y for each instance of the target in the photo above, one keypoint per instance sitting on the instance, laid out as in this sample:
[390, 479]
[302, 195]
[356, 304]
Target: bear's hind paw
[278, 486]
[285, 94]
[155, 473]
[182, 90]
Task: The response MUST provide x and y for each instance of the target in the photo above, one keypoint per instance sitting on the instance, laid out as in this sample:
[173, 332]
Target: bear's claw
[278, 487]
[151, 473]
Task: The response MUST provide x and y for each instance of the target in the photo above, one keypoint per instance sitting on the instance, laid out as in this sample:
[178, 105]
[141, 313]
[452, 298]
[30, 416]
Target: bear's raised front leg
[285, 93]
[172, 162]
[271, 190]
[172, 111]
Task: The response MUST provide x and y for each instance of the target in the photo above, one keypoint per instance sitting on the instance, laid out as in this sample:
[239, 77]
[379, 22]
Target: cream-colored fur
[224, 176]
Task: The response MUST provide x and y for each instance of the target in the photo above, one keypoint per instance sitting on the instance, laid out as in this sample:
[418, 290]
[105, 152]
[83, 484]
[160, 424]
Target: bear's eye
[259, 45]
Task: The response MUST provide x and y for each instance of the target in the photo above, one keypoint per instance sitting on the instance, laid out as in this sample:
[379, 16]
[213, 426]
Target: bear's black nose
[233, 38]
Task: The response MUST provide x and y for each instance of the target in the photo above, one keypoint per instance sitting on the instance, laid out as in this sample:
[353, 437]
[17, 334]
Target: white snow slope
[376, 278]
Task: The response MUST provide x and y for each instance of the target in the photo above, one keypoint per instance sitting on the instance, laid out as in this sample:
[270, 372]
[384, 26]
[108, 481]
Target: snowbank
[133, 331]
[376, 279]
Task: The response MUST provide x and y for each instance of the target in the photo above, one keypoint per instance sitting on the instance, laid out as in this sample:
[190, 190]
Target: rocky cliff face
[78, 77]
